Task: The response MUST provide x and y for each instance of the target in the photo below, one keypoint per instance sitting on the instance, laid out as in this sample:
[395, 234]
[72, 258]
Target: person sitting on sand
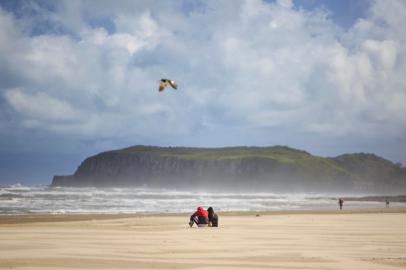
[213, 218]
[200, 217]
[341, 202]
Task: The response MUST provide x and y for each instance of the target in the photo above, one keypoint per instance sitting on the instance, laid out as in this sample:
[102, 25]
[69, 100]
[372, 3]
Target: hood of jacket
[201, 212]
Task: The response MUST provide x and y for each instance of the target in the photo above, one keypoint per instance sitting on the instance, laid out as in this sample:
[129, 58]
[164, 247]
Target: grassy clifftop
[276, 166]
[358, 165]
[280, 153]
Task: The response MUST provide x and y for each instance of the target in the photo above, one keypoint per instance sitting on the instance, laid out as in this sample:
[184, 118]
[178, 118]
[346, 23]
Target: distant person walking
[213, 218]
[341, 202]
[200, 218]
[387, 203]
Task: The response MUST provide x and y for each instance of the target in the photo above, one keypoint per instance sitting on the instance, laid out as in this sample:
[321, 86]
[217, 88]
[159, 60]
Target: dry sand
[360, 239]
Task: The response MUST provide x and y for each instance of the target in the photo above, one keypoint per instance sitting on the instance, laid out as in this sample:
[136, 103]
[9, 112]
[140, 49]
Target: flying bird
[164, 83]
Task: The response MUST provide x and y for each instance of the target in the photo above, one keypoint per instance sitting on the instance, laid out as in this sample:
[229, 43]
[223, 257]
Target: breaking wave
[20, 199]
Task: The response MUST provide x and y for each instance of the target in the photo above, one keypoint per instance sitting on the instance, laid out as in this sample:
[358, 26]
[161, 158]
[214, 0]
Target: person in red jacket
[200, 217]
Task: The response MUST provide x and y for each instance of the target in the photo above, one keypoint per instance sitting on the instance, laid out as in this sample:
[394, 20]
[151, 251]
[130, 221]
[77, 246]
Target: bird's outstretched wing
[162, 85]
[173, 84]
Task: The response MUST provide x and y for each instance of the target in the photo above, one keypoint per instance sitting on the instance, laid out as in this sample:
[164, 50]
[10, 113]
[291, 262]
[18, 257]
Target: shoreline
[45, 218]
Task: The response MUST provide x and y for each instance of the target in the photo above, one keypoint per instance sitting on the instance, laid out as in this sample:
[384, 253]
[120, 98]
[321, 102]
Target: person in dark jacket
[200, 218]
[340, 202]
[213, 218]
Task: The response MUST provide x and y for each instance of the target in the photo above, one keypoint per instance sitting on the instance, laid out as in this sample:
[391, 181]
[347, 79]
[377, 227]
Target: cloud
[239, 65]
[41, 106]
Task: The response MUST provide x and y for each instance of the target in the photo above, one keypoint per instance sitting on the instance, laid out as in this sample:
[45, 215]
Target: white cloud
[41, 107]
[251, 64]
[285, 3]
[382, 53]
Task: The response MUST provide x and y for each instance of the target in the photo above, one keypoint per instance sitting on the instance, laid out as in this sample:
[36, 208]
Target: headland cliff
[278, 168]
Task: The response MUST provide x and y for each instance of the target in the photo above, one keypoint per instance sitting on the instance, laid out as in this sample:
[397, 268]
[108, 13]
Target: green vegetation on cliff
[280, 153]
[277, 167]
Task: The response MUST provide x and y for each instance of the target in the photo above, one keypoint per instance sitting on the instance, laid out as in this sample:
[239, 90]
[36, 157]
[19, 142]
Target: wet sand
[348, 239]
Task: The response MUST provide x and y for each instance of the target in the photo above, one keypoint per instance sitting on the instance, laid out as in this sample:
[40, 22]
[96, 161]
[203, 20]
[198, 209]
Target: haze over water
[18, 199]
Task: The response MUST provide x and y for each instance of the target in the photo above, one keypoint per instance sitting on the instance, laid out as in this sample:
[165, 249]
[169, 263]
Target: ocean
[41, 199]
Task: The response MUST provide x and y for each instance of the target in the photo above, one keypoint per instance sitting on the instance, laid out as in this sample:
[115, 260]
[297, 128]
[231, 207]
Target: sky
[79, 77]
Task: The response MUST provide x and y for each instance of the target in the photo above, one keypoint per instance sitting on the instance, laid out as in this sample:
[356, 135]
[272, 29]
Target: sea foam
[20, 199]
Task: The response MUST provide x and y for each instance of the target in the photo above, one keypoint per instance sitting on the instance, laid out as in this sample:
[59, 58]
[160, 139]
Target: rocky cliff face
[174, 169]
[160, 171]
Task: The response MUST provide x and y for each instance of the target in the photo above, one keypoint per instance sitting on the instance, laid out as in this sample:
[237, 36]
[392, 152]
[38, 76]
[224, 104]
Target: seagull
[164, 83]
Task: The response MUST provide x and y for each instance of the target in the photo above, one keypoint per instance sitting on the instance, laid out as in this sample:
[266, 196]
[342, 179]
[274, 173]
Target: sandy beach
[349, 239]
